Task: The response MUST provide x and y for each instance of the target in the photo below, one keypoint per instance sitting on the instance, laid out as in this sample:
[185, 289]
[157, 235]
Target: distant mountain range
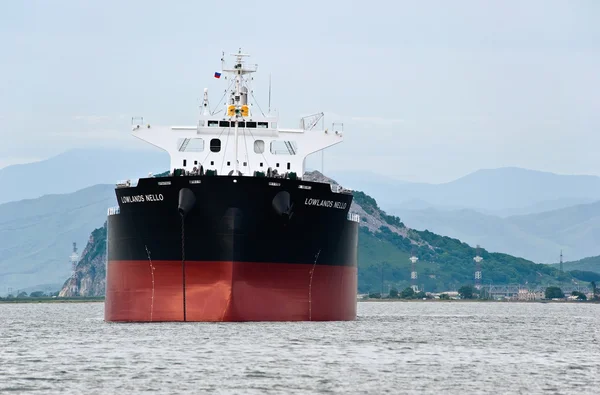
[501, 192]
[77, 169]
[36, 235]
[525, 213]
[539, 237]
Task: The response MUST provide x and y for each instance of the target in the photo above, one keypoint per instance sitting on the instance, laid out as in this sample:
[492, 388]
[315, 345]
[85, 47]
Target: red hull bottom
[144, 291]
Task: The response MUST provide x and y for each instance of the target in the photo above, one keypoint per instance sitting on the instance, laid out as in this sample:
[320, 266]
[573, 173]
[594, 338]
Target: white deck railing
[127, 183]
[353, 217]
[114, 210]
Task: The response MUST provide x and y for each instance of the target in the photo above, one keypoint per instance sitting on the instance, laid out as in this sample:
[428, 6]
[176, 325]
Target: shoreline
[53, 300]
[477, 301]
[100, 299]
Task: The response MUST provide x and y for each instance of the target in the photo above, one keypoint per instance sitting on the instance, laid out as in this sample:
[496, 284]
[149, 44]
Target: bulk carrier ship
[233, 232]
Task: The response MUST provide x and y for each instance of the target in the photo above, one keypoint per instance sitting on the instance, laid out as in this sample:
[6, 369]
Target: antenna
[269, 94]
[205, 105]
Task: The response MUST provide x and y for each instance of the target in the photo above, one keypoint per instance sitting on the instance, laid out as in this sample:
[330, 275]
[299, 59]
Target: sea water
[393, 347]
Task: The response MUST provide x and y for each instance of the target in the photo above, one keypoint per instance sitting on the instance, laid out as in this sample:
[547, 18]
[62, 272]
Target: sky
[427, 91]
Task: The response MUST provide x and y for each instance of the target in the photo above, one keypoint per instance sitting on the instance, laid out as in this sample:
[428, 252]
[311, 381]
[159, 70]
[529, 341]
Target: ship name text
[156, 197]
[325, 203]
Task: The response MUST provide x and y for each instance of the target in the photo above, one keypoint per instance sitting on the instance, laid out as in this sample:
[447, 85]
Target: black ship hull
[222, 248]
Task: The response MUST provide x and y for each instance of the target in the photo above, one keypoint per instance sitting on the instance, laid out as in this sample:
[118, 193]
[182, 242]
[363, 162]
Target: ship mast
[237, 108]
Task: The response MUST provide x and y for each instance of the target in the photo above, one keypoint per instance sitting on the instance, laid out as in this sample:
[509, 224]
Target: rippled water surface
[393, 347]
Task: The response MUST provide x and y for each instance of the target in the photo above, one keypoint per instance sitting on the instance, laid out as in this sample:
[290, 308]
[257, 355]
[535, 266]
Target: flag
[217, 74]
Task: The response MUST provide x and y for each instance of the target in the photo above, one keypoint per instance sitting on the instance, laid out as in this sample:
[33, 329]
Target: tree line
[34, 294]
[470, 292]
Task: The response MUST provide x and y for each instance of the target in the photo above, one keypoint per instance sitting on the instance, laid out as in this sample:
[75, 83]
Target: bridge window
[284, 147]
[241, 124]
[212, 123]
[259, 146]
[224, 124]
[261, 164]
[263, 125]
[190, 145]
[228, 163]
[212, 162]
[289, 165]
[251, 124]
[215, 145]
[184, 163]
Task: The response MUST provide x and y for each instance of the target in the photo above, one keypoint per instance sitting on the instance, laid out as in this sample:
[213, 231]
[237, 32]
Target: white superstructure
[239, 140]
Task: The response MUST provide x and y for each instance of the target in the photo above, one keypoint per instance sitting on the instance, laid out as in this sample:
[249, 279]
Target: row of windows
[212, 163]
[241, 124]
[275, 147]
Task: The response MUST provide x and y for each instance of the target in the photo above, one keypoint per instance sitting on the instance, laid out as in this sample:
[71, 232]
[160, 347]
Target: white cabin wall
[306, 144]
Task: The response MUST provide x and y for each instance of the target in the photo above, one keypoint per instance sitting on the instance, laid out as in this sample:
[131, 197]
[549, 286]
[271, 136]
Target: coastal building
[528, 294]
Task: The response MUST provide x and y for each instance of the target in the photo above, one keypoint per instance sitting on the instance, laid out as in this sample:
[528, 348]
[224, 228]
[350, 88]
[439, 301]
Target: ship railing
[114, 210]
[126, 183]
[353, 217]
[335, 188]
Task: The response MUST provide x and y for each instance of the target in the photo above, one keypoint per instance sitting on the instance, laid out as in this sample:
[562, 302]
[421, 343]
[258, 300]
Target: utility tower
[413, 273]
[561, 261]
[74, 258]
[478, 260]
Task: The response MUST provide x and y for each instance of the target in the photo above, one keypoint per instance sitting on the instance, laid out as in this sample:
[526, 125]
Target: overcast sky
[427, 90]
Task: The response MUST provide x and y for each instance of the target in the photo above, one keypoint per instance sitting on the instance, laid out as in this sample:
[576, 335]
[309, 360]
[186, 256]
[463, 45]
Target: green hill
[539, 237]
[591, 264]
[385, 244]
[586, 269]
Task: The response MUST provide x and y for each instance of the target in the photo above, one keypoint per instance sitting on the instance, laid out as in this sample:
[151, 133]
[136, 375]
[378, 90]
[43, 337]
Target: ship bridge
[238, 141]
